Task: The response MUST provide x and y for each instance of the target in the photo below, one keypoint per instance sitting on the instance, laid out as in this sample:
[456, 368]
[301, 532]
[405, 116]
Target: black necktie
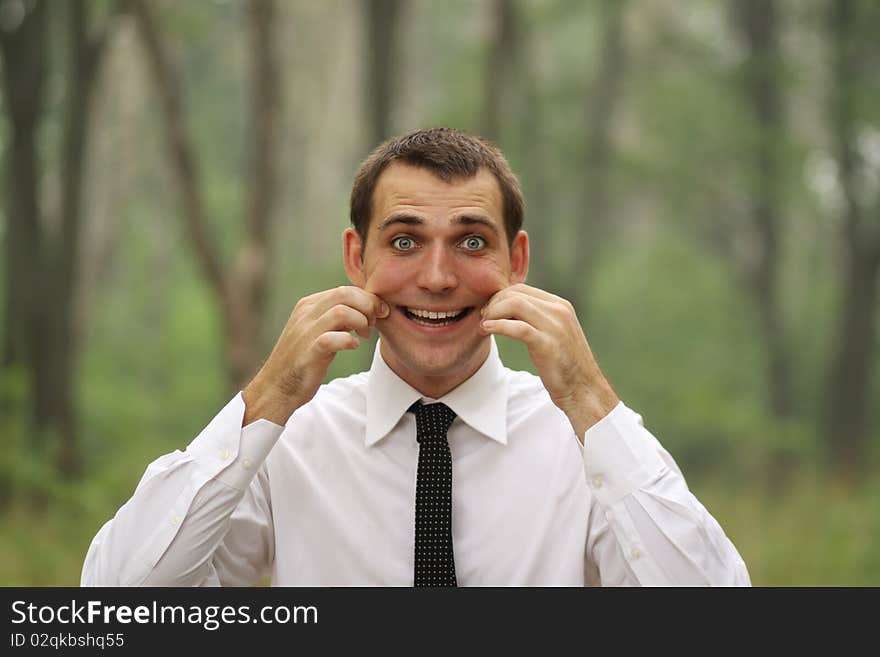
[435, 562]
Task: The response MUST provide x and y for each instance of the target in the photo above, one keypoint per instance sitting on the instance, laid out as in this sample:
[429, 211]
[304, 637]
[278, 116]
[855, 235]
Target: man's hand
[316, 330]
[549, 327]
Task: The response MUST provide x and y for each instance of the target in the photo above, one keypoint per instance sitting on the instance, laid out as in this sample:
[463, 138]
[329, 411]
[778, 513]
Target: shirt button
[224, 454]
[175, 520]
[246, 464]
[635, 553]
[598, 480]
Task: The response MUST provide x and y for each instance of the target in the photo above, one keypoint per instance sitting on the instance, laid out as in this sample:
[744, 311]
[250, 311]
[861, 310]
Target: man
[495, 477]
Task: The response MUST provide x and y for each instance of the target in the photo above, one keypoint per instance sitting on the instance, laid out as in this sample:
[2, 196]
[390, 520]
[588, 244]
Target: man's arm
[646, 527]
[168, 533]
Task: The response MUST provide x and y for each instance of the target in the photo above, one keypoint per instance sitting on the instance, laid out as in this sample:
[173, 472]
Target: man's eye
[474, 243]
[403, 243]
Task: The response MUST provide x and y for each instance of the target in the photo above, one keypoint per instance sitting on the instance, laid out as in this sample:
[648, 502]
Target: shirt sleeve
[646, 527]
[188, 508]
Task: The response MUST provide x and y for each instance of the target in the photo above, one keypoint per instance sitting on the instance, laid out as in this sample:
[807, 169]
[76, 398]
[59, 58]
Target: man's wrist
[263, 403]
[592, 406]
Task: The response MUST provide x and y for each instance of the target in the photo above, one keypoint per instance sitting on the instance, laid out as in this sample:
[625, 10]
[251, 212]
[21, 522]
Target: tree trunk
[602, 103]
[24, 65]
[758, 24]
[251, 280]
[382, 19]
[61, 296]
[43, 267]
[850, 376]
[503, 61]
[180, 151]
[535, 177]
[241, 294]
[849, 379]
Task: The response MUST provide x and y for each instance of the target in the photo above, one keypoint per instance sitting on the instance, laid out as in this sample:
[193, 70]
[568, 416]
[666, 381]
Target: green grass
[817, 531]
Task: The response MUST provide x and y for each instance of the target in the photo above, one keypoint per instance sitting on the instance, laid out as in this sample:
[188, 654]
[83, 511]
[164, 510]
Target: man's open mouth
[435, 317]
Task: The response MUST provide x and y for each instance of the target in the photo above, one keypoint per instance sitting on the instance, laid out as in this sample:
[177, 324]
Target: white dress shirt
[328, 500]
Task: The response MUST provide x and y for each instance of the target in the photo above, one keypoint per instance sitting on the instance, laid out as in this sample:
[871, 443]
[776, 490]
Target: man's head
[448, 154]
[433, 239]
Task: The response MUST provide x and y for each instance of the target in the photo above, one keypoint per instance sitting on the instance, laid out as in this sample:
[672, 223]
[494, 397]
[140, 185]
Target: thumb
[382, 308]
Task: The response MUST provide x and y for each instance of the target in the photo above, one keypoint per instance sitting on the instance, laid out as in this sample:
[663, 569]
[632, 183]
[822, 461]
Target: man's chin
[437, 363]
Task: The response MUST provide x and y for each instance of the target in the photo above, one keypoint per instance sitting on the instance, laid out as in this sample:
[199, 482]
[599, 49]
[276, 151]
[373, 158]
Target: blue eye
[403, 243]
[474, 243]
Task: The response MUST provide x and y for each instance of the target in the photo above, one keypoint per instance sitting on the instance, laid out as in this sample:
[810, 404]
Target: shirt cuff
[229, 453]
[620, 455]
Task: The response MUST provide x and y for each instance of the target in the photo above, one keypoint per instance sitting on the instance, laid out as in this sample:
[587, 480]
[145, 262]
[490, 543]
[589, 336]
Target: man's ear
[519, 258]
[353, 257]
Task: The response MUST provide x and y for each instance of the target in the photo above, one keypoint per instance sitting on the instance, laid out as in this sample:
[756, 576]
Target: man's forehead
[409, 185]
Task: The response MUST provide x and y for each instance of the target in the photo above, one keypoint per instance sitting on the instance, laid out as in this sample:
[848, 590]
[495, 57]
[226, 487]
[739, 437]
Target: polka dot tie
[435, 563]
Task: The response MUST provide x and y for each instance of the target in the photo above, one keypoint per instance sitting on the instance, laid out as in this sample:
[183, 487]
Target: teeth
[432, 314]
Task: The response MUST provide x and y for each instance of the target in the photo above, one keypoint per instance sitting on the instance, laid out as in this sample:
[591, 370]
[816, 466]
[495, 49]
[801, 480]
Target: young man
[495, 477]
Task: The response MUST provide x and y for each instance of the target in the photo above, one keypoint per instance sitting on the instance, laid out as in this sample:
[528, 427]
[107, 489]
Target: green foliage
[667, 314]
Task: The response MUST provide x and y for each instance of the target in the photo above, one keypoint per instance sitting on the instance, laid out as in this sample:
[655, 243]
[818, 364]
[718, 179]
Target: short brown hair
[449, 154]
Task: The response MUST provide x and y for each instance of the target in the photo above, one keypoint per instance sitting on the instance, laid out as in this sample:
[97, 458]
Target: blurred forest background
[702, 181]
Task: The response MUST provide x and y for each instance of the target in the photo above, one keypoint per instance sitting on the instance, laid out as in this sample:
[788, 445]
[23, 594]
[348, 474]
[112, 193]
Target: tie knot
[432, 420]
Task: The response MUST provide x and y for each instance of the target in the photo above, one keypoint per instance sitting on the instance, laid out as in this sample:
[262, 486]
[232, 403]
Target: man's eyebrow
[470, 220]
[407, 220]
[464, 220]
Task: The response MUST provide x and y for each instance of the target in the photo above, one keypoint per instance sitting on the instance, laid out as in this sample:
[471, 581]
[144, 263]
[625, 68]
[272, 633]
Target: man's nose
[437, 273]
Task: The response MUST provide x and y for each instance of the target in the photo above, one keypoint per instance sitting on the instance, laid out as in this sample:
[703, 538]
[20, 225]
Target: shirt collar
[480, 401]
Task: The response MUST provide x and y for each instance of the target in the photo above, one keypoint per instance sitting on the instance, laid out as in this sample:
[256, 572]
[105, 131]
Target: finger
[343, 318]
[527, 290]
[382, 309]
[370, 305]
[533, 310]
[513, 328]
[535, 292]
[500, 294]
[332, 342]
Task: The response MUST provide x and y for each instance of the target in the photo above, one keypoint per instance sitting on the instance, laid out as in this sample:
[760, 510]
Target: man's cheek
[384, 283]
[388, 279]
[485, 284]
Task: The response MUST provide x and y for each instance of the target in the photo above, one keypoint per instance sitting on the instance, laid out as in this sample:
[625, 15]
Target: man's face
[435, 253]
